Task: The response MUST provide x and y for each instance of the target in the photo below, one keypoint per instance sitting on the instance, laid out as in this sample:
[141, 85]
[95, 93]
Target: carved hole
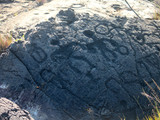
[123, 103]
[88, 33]
[4, 115]
[54, 42]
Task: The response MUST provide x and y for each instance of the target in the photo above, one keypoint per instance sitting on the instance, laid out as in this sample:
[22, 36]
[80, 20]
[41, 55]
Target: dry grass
[157, 15]
[157, 12]
[154, 101]
[5, 41]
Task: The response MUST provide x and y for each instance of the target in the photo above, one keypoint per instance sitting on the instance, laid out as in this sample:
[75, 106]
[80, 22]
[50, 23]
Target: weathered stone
[10, 111]
[67, 16]
[89, 68]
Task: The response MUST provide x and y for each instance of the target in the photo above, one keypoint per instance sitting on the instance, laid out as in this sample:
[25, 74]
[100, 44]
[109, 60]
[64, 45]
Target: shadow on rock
[6, 1]
[78, 66]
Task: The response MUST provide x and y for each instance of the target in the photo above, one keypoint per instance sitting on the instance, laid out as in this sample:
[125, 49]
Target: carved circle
[102, 29]
[123, 50]
[77, 6]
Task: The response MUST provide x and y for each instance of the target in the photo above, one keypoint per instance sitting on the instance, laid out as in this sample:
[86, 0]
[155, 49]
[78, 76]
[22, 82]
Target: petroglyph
[90, 62]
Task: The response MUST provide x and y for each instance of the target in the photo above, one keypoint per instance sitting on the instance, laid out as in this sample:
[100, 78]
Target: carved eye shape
[88, 33]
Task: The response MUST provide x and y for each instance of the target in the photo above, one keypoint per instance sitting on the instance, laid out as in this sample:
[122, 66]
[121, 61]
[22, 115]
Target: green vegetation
[155, 116]
[22, 38]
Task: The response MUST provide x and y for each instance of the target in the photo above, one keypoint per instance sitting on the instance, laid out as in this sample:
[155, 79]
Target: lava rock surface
[89, 68]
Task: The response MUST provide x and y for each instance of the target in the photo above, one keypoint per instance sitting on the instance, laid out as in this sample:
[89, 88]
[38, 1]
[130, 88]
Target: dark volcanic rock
[67, 16]
[92, 68]
[6, 1]
[11, 111]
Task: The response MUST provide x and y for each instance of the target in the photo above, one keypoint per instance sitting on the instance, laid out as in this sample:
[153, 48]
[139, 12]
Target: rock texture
[6, 0]
[80, 66]
[25, 14]
[11, 111]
